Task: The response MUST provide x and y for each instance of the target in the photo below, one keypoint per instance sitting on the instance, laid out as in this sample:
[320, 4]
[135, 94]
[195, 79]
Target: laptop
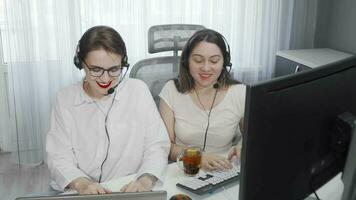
[153, 195]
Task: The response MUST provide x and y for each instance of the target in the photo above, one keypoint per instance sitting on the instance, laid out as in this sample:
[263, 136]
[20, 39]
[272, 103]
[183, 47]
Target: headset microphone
[112, 90]
[216, 85]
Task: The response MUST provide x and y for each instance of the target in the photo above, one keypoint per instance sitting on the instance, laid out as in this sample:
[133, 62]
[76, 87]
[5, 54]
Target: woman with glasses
[105, 127]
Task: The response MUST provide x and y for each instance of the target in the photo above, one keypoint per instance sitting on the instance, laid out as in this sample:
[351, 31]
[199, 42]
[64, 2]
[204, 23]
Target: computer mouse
[180, 197]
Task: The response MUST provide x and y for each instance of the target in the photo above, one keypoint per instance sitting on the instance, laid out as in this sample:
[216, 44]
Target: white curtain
[41, 36]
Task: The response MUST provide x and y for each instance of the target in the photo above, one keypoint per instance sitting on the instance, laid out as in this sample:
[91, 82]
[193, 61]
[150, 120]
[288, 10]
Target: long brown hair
[185, 81]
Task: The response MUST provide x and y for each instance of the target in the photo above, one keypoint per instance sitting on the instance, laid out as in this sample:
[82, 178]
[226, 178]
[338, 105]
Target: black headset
[188, 47]
[79, 63]
[78, 59]
[227, 63]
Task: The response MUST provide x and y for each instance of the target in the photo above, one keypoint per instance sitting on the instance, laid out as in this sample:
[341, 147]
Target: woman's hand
[234, 151]
[85, 186]
[211, 162]
[143, 184]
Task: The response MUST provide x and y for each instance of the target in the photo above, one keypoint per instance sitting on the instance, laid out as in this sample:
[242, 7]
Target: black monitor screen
[349, 174]
[288, 148]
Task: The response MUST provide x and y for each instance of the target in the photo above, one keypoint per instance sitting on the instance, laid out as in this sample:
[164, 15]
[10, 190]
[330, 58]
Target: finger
[107, 191]
[124, 188]
[101, 190]
[231, 153]
[215, 164]
[134, 188]
[92, 191]
[97, 189]
[238, 153]
[210, 166]
[81, 191]
[131, 187]
[226, 163]
[222, 165]
[84, 192]
[141, 189]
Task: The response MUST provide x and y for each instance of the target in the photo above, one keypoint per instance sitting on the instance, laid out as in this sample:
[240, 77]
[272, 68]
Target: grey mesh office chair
[155, 72]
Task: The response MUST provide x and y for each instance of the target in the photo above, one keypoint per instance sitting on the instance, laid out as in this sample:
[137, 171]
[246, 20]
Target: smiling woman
[99, 79]
[206, 63]
[91, 137]
[204, 90]
[101, 46]
[39, 40]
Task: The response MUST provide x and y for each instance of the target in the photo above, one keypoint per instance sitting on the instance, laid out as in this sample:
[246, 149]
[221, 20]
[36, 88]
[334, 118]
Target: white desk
[330, 191]
[173, 176]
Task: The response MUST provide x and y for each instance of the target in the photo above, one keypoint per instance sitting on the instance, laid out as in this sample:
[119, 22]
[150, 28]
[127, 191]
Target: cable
[316, 195]
[207, 127]
[312, 188]
[108, 137]
[106, 129]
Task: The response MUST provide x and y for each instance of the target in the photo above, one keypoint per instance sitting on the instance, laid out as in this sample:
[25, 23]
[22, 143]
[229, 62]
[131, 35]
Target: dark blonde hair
[185, 81]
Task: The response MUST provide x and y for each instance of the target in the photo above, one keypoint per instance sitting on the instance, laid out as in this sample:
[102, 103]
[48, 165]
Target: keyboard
[207, 182]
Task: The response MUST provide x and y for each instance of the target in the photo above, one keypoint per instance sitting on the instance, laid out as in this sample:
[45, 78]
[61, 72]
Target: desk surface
[331, 191]
[174, 175]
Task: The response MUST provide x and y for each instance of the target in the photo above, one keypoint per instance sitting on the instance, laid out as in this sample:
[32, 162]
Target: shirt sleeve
[242, 99]
[167, 93]
[157, 143]
[61, 160]
[239, 99]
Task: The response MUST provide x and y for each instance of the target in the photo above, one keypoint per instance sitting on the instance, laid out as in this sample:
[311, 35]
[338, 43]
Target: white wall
[303, 24]
[336, 25]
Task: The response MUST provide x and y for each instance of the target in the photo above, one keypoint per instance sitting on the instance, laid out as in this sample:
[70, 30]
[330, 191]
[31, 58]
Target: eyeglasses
[99, 71]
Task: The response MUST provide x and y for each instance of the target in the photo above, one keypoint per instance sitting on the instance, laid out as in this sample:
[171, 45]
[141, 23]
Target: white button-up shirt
[77, 143]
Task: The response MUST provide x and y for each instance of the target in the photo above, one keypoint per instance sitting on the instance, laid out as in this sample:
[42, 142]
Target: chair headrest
[170, 37]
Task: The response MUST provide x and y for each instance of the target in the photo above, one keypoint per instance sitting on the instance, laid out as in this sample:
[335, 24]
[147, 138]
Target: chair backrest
[155, 72]
[170, 37]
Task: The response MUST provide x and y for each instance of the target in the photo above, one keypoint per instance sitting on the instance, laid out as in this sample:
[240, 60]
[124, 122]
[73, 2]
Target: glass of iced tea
[189, 160]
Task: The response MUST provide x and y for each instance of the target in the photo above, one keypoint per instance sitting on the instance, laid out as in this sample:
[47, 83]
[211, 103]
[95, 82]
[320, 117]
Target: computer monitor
[349, 174]
[289, 148]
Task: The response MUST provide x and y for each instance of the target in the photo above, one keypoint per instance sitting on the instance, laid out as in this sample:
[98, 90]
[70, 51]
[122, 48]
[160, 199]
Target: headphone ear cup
[124, 62]
[77, 62]
[227, 60]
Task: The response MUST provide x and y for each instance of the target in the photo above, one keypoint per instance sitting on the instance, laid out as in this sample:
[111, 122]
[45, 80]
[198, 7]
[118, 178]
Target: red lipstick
[103, 85]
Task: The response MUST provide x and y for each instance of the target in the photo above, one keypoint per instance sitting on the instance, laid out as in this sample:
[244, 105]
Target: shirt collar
[81, 97]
